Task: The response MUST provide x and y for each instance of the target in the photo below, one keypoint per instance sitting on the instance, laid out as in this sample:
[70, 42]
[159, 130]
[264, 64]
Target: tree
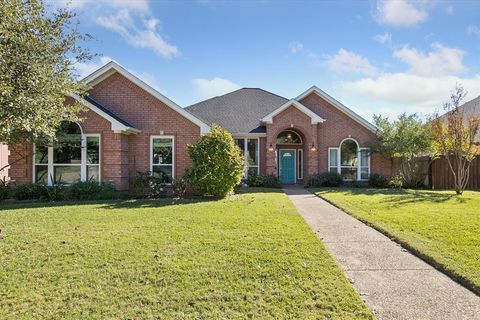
[455, 136]
[38, 51]
[406, 138]
[217, 163]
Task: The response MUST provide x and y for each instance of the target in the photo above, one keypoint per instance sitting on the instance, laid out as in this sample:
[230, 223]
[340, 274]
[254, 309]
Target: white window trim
[245, 153]
[294, 163]
[358, 166]
[83, 162]
[173, 154]
[300, 172]
[290, 144]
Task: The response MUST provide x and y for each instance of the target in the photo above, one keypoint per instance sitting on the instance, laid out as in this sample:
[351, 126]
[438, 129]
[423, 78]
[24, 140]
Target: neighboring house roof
[239, 111]
[315, 117]
[472, 107]
[118, 124]
[337, 105]
[112, 67]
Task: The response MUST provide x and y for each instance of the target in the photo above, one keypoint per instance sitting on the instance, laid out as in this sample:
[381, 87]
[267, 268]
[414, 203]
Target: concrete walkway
[394, 283]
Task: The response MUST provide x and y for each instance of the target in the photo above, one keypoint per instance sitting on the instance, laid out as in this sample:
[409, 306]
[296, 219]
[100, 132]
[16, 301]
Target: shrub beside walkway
[394, 283]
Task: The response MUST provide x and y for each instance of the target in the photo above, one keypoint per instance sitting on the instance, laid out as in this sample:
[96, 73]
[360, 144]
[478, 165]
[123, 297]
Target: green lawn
[248, 256]
[440, 226]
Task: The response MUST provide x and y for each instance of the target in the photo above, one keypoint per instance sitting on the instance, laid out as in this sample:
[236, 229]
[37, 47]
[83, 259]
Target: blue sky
[377, 57]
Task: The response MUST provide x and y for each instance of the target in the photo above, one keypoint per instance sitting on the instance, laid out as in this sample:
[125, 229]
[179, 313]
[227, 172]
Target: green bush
[269, 181]
[255, 180]
[53, 193]
[217, 163]
[145, 185]
[91, 190]
[179, 187]
[327, 179]
[4, 190]
[30, 191]
[377, 181]
[396, 182]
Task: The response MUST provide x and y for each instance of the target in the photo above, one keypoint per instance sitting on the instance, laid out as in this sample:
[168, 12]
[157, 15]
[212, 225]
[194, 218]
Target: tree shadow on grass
[399, 197]
[127, 203]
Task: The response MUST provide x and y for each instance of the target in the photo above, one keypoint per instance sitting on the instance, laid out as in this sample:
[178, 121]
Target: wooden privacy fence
[442, 178]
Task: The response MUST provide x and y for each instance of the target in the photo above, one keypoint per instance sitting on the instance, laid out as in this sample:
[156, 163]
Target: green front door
[287, 166]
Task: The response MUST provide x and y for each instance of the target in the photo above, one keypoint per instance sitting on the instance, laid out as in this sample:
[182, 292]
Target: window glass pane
[93, 150]
[300, 164]
[93, 173]
[163, 172]
[333, 169]
[349, 173]
[41, 154]
[241, 144]
[67, 148]
[252, 148]
[162, 151]
[364, 154]
[66, 174]
[289, 137]
[364, 173]
[349, 153]
[41, 174]
[333, 157]
[253, 170]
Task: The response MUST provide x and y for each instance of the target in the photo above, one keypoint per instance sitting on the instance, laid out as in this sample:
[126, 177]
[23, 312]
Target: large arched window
[289, 137]
[72, 157]
[350, 160]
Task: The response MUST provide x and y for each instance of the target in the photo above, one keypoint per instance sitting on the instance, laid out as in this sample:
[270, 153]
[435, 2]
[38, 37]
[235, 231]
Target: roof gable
[322, 94]
[112, 67]
[315, 117]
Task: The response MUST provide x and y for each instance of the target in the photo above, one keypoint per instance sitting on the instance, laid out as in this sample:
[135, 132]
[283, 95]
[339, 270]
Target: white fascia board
[322, 94]
[117, 126]
[293, 102]
[112, 66]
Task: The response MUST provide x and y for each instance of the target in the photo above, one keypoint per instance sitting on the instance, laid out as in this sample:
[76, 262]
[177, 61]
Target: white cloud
[215, 87]
[400, 13]
[410, 92]
[295, 47]
[137, 5]
[346, 61]
[145, 36]
[385, 38]
[473, 29]
[439, 62]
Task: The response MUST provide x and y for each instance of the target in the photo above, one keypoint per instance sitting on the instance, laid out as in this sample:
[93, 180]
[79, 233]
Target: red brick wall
[149, 115]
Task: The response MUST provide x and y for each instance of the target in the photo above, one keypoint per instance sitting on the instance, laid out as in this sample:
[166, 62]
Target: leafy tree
[455, 136]
[218, 164]
[38, 51]
[405, 138]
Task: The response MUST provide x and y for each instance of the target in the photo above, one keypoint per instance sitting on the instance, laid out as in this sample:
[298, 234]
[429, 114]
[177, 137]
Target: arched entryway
[290, 156]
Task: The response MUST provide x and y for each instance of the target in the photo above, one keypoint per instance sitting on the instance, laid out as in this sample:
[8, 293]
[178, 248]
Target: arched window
[350, 160]
[72, 157]
[289, 137]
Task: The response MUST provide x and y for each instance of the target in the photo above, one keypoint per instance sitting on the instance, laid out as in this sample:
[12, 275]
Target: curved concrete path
[393, 283]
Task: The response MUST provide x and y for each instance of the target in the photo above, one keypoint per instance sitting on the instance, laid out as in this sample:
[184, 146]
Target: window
[162, 158]
[289, 137]
[250, 149]
[72, 157]
[300, 164]
[350, 161]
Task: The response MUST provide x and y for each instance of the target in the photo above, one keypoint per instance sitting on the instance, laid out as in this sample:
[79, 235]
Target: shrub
[4, 190]
[255, 180]
[91, 190]
[179, 187]
[53, 193]
[269, 181]
[217, 163]
[377, 181]
[145, 185]
[29, 191]
[327, 179]
[396, 182]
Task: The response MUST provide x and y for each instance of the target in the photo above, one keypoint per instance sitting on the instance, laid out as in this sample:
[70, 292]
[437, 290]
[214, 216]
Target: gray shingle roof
[238, 111]
[472, 107]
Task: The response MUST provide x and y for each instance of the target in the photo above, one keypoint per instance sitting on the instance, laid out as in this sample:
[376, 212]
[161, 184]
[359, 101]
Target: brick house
[129, 127]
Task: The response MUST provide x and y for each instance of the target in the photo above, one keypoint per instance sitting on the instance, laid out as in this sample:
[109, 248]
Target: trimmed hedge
[327, 179]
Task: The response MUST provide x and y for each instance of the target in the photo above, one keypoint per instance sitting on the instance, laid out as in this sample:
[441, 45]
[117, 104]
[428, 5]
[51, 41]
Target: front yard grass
[248, 256]
[438, 225]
